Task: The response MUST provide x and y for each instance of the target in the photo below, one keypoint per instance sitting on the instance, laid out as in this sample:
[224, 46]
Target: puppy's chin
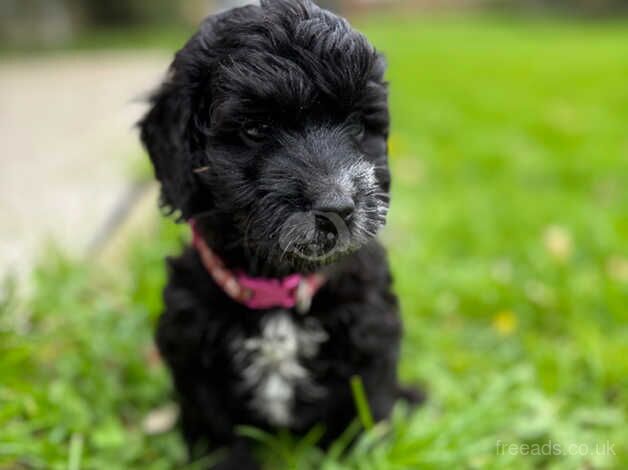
[307, 254]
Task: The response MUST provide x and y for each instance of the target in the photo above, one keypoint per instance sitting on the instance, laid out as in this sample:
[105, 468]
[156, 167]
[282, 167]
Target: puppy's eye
[357, 130]
[255, 132]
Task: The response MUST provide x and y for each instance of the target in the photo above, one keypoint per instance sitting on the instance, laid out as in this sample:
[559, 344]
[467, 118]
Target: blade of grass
[361, 403]
[75, 452]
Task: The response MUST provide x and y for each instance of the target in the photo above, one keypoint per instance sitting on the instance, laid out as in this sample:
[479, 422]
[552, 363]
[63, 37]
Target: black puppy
[269, 137]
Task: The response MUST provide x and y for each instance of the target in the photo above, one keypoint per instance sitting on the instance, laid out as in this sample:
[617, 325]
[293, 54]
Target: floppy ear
[164, 131]
[169, 130]
[174, 129]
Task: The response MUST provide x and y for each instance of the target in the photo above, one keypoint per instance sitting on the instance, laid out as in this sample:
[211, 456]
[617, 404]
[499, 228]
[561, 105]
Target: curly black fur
[269, 116]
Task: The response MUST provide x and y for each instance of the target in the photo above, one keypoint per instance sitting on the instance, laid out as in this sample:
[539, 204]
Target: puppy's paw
[237, 463]
[413, 396]
[240, 457]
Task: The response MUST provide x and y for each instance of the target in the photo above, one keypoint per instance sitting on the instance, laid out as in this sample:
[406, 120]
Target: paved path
[66, 141]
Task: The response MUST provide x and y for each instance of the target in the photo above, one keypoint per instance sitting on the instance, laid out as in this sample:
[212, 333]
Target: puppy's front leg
[188, 339]
[240, 457]
[376, 334]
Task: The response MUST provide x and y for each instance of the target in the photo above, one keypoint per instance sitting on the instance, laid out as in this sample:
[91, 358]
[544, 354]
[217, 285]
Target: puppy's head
[271, 130]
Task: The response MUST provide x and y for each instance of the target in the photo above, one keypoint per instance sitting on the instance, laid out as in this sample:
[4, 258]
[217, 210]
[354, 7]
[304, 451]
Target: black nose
[337, 202]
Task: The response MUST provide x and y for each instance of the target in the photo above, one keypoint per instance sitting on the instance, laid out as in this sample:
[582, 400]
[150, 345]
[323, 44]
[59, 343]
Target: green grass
[509, 241]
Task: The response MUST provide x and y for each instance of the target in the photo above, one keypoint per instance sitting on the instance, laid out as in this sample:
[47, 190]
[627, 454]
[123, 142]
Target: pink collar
[294, 290]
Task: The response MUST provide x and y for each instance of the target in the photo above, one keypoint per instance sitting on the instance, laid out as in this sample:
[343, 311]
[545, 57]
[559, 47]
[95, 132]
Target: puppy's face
[272, 130]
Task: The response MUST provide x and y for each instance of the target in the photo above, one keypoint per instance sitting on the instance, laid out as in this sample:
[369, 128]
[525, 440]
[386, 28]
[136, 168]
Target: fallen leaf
[558, 243]
[161, 420]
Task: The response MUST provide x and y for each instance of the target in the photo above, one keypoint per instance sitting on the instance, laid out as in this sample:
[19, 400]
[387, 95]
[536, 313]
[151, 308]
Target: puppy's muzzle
[315, 235]
[337, 202]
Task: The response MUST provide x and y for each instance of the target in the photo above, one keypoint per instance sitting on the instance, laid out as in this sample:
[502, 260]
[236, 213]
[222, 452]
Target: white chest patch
[270, 364]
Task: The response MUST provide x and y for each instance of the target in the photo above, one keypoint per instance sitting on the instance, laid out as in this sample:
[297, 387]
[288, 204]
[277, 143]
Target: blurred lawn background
[509, 241]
